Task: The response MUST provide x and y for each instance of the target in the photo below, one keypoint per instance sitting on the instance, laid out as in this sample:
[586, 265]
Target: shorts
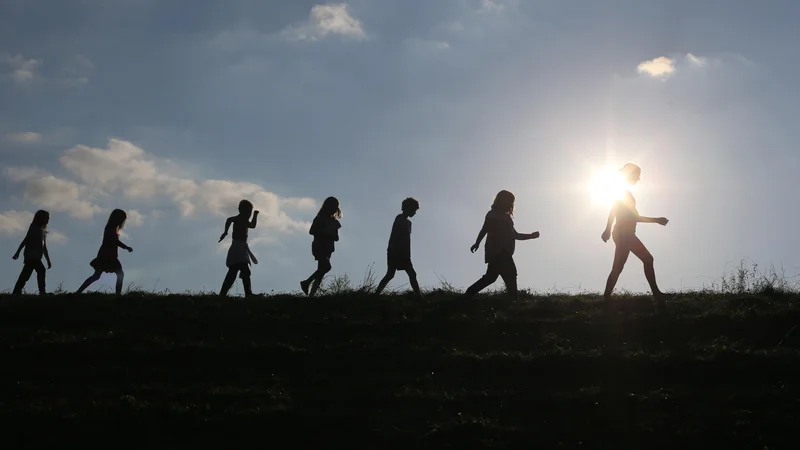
[399, 263]
[502, 264]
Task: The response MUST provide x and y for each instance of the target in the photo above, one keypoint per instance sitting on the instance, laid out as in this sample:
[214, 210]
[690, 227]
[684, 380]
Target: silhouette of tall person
[107, 259]
[624, 217]
[501, 237]
[325, 229]
[398, 254]
[239, 254]
[35, 244]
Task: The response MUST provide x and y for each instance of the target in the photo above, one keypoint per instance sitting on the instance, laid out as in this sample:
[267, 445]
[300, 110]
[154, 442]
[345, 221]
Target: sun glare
[606, 186]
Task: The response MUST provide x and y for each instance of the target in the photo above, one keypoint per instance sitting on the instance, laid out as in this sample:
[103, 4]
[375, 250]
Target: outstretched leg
[120, 281]
[24, 276]
[323, 267]
[390, 271]
[641, 252]
[41, 273]
[227, 283]
[89, 281]
[620, 258]
[487, 279]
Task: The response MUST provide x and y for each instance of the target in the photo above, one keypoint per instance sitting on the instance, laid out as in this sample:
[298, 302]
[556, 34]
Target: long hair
[330, 208]
[40, 219]
[504, 202]
[117, 219]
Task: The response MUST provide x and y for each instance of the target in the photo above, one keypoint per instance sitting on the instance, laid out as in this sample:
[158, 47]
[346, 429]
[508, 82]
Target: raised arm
[481, 235]
[253, 223]
[525, 236]
[227, 227]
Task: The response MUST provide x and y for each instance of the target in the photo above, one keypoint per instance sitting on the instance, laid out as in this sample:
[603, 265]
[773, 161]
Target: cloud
[325, 20]
[657, 67]
[135, 218]
[24, 137]
[22, 70]
[52, 193]
[16, 223]
[696, 60]
[491, 5]
[423, 46]
[125, 169]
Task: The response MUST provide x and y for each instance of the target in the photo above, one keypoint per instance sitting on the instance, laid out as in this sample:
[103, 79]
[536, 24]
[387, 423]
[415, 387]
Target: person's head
[330, 208]
[631, 173]
[117, 219]
[40, 219]
[410, 206]
[245, 208]
[504, 202]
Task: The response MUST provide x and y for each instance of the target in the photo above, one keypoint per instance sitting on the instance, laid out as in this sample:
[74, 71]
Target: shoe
[304, 286]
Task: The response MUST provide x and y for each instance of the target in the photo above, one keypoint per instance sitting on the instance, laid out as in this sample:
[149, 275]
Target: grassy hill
[355, 371]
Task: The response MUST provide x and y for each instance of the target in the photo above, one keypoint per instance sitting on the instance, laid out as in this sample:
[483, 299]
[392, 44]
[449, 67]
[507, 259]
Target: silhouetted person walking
[239, 254]
[325, 229]
[107, 259]
[35, 244]
[501, 237]
[624, 235]
[398, 254]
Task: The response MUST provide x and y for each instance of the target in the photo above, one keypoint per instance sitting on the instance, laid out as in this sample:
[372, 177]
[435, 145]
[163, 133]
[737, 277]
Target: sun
[606, 186]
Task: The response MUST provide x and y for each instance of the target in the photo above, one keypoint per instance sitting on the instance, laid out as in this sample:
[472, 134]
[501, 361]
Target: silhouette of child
[325, 229]
[624, 235]
[500, 244]
[107, 259]
[239, 254]
[398, 254]
[35, 244]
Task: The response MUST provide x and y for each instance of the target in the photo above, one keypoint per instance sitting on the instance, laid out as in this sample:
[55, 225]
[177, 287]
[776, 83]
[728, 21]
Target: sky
[175, 111]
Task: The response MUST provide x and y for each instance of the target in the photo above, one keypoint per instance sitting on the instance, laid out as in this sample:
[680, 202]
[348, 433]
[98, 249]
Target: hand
[255, 213]
[606, 235]
[474, 248]
[224, 235]
[49, 265]
[663, 221]
[535, 235]
[129, 249]
[15, 257]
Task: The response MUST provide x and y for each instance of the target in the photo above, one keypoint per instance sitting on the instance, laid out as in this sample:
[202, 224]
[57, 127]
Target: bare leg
[620, 258]
[647, 259]
[385, 280]
[89, 281]
[227, 283]
[248, 290]
[24, 276]
[120, 281]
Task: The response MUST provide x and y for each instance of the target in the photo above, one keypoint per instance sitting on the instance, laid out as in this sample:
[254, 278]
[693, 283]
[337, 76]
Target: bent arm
[644, 219]
[612, 215]
[481, 234]
[253, 223]
[228, 225]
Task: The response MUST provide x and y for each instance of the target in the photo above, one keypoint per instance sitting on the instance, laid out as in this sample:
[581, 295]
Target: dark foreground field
[360, 372]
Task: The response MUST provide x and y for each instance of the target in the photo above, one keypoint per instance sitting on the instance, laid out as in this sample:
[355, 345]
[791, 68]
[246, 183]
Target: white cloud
[126, 169]
[325, 20]
[135, 218]
[696, 60]
[657, 67]
[491, 5]
[22, 69]
[16, 223]
[24, 137]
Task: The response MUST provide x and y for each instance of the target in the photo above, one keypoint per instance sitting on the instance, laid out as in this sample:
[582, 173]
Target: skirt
[108, 265]
[239, 255]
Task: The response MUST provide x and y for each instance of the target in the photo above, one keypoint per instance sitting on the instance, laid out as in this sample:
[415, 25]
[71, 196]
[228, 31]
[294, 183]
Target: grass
[720, 369]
